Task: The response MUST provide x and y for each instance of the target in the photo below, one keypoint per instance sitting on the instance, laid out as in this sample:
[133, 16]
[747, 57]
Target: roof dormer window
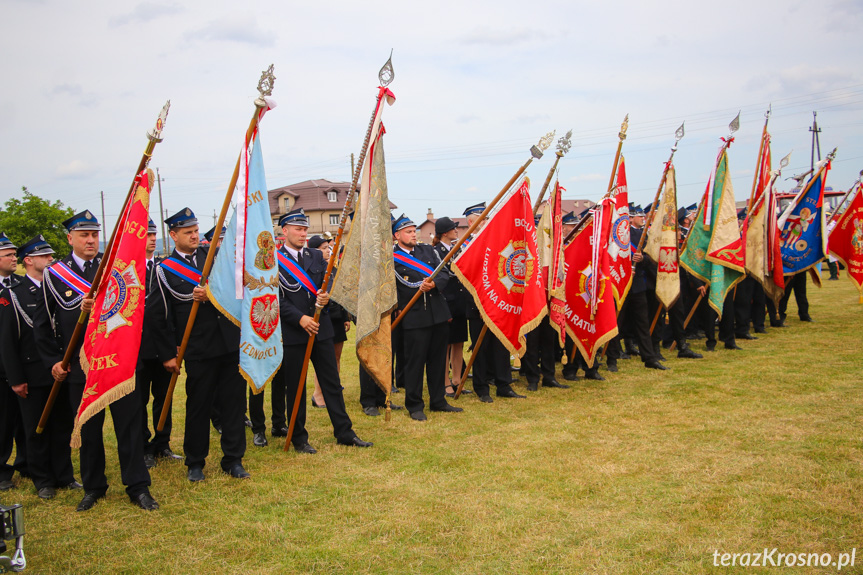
[333, 196]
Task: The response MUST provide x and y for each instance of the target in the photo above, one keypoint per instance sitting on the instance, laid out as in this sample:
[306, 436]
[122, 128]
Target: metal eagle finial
[623, 127]
[386, 74]
[678, 135]
[155, 133]
[564, 144]
[265, 86]
[543, 144]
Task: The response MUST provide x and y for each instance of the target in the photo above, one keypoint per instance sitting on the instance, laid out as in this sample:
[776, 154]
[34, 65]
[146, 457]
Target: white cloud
[74, 169]
[146, 12]
[239, 29]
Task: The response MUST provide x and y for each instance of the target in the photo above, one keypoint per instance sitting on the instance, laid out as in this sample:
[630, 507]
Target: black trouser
[425, 351]
[49, 457]
[674, 331]
[726, 323]
[706, 319]
[491, 363]
[636, 313]
[215, 381]
[152, 377]
[126, 414]
[11, 430]
[797, 283]
[743, 305]
[256, 408]
[578, 360]
[277, 395]
[371, 395]
[323, 358]
[398, 343]
[758, 310]
[538, 360]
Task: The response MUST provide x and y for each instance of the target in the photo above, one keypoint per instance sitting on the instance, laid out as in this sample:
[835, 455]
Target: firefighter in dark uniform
[301, 277]
[150, 376]
[11, 427]
[49, 457]
[53, 325]
[212, 356]
[424, 326]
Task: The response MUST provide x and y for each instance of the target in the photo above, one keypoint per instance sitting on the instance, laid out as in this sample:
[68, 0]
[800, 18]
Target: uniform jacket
[149, 349]
[54, 322]
[455, 295]
[21, 359]
[169, 307]
[295, 301]
[431, 308]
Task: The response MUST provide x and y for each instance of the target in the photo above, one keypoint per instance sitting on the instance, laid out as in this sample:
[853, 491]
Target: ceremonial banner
[365, 282]
[846, 241]
[551, 259]
[714, 253]
[109, 353]
[619, 245]
[244, 281]
[591, 317]
[661, 244]
[802, 223]
[501, 271]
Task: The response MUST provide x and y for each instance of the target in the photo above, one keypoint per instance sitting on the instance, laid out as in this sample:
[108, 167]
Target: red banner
[591, 318]
[500, 269]
[109, 353]
[556, 276]
[619, 245]
[846, 240]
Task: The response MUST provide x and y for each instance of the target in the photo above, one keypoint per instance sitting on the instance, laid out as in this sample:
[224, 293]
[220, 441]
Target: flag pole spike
[265, 88]
[535, 154]
[563, 146]
[735, 124]
[385, 77]
[154, 136]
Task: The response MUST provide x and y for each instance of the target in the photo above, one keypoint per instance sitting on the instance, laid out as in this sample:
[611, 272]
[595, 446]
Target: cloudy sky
[476, 84]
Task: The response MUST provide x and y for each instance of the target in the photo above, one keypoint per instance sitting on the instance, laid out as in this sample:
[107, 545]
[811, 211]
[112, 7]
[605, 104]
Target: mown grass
[647, 472]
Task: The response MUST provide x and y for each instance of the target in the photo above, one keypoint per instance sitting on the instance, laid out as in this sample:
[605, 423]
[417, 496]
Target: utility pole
[162, 209]
[104, 223]
[816, 141]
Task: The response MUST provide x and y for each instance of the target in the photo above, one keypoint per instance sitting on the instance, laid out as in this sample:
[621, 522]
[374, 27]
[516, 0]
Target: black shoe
[72, 486]
[760, 330]
[260, 439]
[89, 501]
[732, 345]
[280, 432]
[654, 365]
[395, 407]
[6, 485]
[593, 374]
[612, 365]
[396, 389]
[570, 375]
[355, 442]
[554, 383]
[149, 461]
[510, 393]
[145, 501]
[371, 411]
[47, 493]
[166, 453]
[218, 428]
[466, 391]
[237, 472]
[247, 422]
[624, 355]
[305, 448]
[447, 408]
[661, 357]
[450, 394]
[687, 353]
[486, 399]
[807, 319]
[195, 474]
[315, 404]
[746, 336]
[532, 386]
[418, 416]
[710, 347]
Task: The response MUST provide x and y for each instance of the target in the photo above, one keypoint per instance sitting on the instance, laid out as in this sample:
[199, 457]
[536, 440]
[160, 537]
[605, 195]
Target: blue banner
[802, 239]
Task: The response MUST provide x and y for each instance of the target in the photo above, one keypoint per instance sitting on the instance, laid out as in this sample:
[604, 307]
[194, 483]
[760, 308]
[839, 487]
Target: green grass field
[648, 472]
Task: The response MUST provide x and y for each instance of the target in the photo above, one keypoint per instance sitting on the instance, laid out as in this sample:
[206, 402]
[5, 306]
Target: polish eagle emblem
[264, 315]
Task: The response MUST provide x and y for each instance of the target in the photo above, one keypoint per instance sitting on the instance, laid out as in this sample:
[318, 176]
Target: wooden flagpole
[758, 165]
[385, 76]
[154, 136]
[536, 153]
[265, 88]
[563, 146]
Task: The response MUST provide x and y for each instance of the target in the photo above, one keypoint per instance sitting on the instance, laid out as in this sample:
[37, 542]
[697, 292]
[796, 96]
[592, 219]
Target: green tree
[23, 218]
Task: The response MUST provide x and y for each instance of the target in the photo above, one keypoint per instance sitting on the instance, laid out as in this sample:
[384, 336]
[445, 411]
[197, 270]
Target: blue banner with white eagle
[803, 241]
[244, 282]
